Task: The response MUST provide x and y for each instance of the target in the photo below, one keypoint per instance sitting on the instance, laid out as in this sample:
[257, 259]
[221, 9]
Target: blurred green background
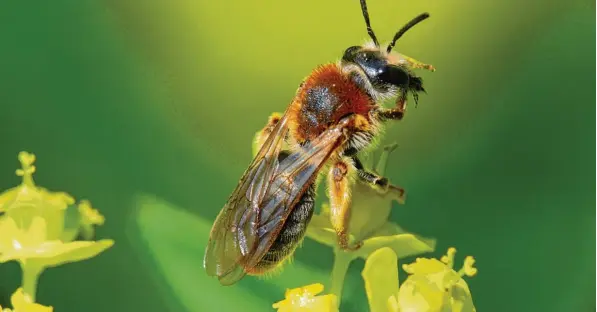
[124, 98]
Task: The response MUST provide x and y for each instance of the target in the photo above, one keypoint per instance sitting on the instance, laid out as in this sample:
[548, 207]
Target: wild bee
[335, 114]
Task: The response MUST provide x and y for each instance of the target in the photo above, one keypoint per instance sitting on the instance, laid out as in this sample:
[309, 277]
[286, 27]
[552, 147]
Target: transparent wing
[233, 235]
[294, 176]
[250, 221]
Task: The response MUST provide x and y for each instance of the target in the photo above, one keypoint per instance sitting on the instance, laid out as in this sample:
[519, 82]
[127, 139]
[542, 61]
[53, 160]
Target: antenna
[369, 29]
[404, 28]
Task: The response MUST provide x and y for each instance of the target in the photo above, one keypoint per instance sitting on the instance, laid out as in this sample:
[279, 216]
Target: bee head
[379, 71]
[385, 72]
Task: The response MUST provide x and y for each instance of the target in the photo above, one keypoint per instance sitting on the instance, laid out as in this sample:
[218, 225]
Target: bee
[335, 114]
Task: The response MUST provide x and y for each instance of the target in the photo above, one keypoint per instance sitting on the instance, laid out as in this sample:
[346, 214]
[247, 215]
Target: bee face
[379, 71]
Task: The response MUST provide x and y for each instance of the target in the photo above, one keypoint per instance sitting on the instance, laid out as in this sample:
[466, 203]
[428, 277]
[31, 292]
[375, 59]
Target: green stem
[383, 159]
[28, 180]
[31, 272]
[342, 261]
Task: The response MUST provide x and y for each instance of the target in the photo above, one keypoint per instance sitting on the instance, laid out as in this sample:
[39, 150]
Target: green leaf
[176, 241]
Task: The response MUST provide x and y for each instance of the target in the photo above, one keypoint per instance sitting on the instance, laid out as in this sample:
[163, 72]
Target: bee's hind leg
[340, 198]
[262, 135]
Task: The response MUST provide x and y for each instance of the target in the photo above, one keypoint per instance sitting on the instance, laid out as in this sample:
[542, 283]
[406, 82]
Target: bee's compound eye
[351, 53]
[352, 50]
[393, 75]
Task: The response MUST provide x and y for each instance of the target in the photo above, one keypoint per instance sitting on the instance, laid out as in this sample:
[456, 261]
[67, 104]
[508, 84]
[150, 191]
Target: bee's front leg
[375, 180]
[395, 113]
[340, 198]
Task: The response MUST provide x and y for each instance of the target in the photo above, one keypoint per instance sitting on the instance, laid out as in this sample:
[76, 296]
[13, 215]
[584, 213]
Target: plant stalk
[342, 261]
[31, 273]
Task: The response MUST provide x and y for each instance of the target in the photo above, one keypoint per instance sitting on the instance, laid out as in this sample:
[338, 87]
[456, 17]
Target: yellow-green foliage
[38, 229]
[432, 286]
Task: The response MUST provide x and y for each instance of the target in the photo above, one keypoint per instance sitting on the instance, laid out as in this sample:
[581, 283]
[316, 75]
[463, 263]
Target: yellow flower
[369, 224]
[433, 285]
[31, 247]
[305, 299]
[369, 221]
[21, 302]
[28, 200]
[33, 231]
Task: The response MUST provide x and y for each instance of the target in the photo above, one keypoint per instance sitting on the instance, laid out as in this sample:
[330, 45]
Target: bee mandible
[335, 114]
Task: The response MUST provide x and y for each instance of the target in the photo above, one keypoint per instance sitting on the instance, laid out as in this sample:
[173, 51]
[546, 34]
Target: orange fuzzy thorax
[325, 96]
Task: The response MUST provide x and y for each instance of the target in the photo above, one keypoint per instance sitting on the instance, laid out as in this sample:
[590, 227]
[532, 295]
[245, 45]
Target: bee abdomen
[292, 232]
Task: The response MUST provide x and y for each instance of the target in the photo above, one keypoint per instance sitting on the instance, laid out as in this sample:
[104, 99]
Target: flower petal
[305, 299]
[56, 200]
[393, 304]
[462, 300]
[53, 253]
[369, 211]
[36, 234]
[434, 285]
[389, 229]
[404, 245]
[7, 197]
[74, 251]
[71, 224]
[381, 278]
[22, 302]
[418, 294]
[10, 232]
[22, 197]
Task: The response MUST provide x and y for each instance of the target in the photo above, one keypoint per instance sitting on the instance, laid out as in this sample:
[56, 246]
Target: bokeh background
[148, 108]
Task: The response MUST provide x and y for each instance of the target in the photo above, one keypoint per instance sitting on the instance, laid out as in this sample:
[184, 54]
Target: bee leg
[396, 113]
[339, 194]
[376, 181]
[264, 133]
